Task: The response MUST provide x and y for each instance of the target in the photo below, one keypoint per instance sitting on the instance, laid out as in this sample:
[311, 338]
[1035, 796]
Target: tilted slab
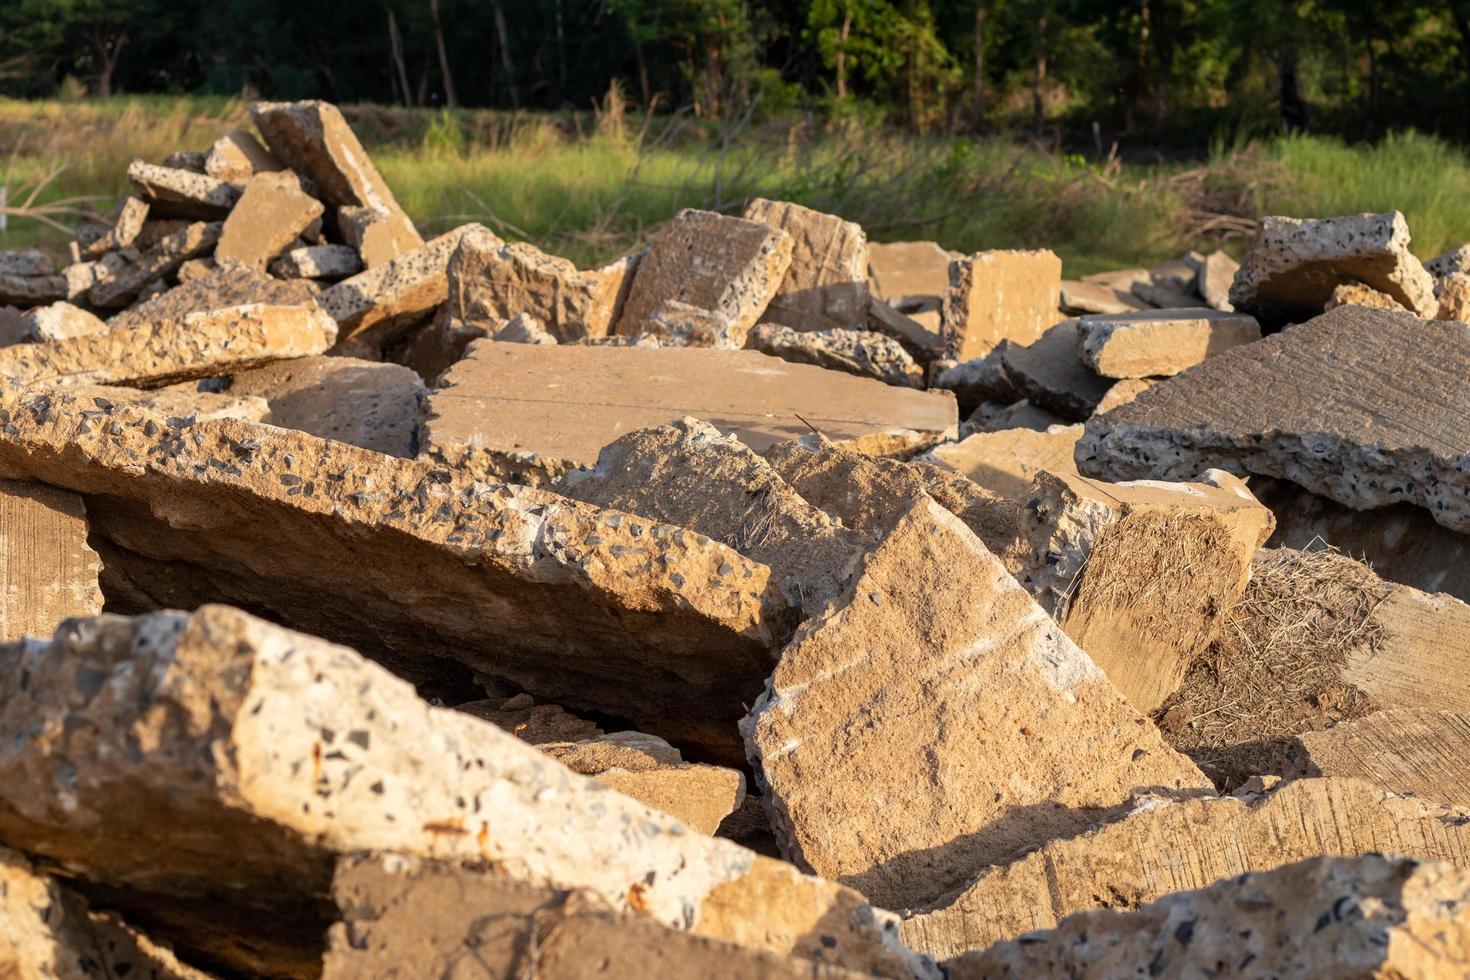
[1160, 343]
[1367, 407]
[1006, 462]
[1163, 848]
[1409, 751]
[1329, 917]
[237, 759]
[826, 285]
[193, 346]
[935, 720]
[521, 410]
[1050, 372]
[48, 572]
[588, 607]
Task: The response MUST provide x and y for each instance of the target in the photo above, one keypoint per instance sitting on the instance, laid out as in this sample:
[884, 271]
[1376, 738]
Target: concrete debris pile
[381, 605]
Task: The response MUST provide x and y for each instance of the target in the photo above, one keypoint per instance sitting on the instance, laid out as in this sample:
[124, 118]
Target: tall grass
[592, 185]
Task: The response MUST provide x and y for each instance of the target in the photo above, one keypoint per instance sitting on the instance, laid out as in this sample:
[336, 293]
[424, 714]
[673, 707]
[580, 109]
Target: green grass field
[589, 186]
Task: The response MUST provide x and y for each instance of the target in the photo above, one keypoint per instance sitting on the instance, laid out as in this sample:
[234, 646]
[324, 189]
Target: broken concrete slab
[264, 703]
[1371, 916]
[1454, 262]
[195, 346]
[48, 572]
[26, 262]
[710, 261]
[1179, 846]
[174, 193]
[1160, 343]
[313, 139]
[1214, 278]
[1123, 392]
[132, 214]
[902, 273]
[28, 291]
[1294, 264]
[237, 156]
[392, 297]
[524, 412]
[865, 353]
[161, 259]
[317, 262]
[186, 401]
[411, 917]
[1139, 573]
[48, 932]
[1423, 640]
[648, 769]
[1323, 405]
[676, 324]
[1028, 739]
[1355, 292]
[62, 321]
[362, 403]
[494, 281]
[1089, 297]
[1000, 295]
[1407, 751]
[687, 473]
[920, 333]
[1051, 373]
[565, 600]
[213, 290]
[826, 284]
[1453, 293]
[1006, 462]
[980, 380]
[1168, 294]
[271, 212]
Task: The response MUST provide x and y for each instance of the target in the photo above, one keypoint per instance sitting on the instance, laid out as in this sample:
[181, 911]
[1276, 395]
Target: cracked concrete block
[689, 474]
[1000, 295]
[980, 380]
[495, 281]
[709, 261]
[1365, 917]
[1025, 738]
[312, 138]
[826, 285]
[362, 403]
[196, 345]
[866, 353]
[531, 413]
[48, 572]
[1323, 404]
[317, 262]
[128, 224]
[162, 258]
[271, 212]
[1295, 263]
[1214, 278]
[1050, 372]
[415, 565]
[1007, 461]
[1163, 847]
[212, 290]
[285, 751]
[1160, 343]
[174, 193]
[1138, 574]
[1409, 751]
[918, 332]
[237, 156]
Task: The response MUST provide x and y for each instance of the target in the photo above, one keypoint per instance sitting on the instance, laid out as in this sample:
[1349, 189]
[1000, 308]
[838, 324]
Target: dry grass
[1275, 669]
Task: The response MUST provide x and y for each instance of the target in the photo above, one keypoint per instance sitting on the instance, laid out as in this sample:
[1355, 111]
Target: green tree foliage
[1083, 71]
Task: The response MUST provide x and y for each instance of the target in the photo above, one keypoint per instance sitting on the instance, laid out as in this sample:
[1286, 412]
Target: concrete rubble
[380, 606]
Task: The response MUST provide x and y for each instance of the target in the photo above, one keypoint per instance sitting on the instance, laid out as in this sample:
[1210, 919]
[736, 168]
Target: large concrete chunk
[530, 413]
[865, 353]
[1139, 573]
[1324, 405]
[1007, 462]
[1294, 264]
[1024, 739]
[131, 278]
[198, 345]
[710, 261]
[174, 193]
[1213, 280]
[1091, 297]
[283, 751]
[1050, 372]
[1163, 848]
[688, 474]
[26, 262]
[238, 156]
[47, 933]
[1160, 343]
[590, 608]
[1359, 918]
[495, 281]
[1408, 751]
[317, 262]
[414, 918]
[272, 212]
[392, 297]
[1000, 295]
[905, 273]
[215, 290]
[364, 403]
[826, 285]
[313, 139]
[48, 572]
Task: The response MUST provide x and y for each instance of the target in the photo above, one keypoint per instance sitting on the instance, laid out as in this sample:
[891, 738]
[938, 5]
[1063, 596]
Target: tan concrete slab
[1160, 343]
[1408, 751]
[48, 572]
[269, 216]
[1007, 462]
[826, 285]
[1000, 295]
[908, 270]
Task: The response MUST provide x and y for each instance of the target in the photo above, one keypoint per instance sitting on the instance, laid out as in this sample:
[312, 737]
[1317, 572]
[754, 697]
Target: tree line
[1082, 70]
